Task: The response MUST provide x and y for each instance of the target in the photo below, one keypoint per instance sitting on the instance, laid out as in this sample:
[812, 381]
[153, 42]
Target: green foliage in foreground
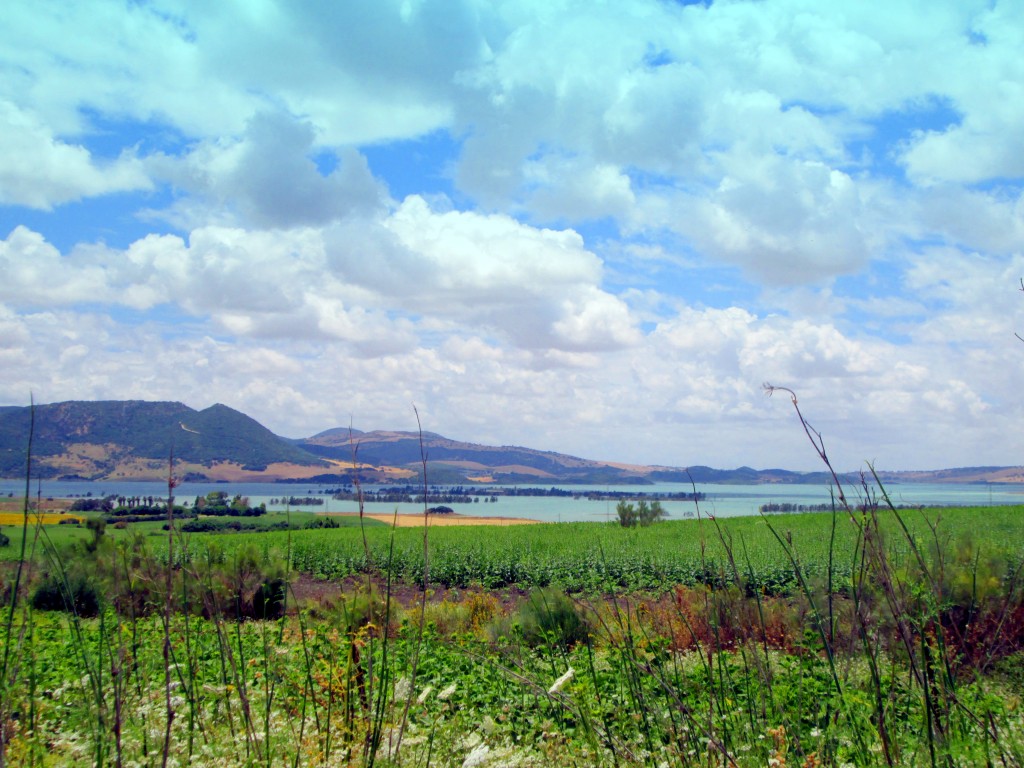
[324, 692]
[909, 659]
[602, 556]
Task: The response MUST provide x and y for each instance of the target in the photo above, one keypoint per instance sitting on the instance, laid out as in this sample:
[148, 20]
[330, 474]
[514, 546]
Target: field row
[764, 552]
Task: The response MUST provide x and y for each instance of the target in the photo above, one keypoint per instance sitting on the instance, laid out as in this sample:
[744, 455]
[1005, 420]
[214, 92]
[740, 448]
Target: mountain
[134, 440]
[453, 461]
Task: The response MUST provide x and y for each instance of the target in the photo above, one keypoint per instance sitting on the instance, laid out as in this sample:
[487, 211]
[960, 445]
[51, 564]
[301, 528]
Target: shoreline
[408, 520]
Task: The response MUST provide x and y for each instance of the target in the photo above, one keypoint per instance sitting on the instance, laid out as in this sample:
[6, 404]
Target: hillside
[453, 461]
[134, 439]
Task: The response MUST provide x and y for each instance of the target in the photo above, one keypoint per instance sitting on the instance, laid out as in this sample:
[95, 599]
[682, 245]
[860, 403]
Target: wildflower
[403, 689]
[477, 757]
[424, 694]
[560, 682]
[447, 692]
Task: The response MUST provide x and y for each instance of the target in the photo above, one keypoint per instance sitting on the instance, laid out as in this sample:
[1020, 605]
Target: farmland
[596, 556]
[876, 638]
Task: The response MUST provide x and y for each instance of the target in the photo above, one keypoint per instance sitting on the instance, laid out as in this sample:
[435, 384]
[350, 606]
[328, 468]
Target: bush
[268, 602]
[550, 616]
[97, 527]
[78, 596]
[363, 611]
[105, 504]
[243, 584]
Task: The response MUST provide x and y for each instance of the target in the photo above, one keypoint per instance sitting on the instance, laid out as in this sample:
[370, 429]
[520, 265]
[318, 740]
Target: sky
[590, 227]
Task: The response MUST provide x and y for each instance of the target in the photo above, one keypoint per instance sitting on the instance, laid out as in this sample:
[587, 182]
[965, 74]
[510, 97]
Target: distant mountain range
[135, 440]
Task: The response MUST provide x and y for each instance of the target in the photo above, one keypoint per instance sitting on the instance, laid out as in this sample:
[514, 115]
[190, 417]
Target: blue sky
[595, 228]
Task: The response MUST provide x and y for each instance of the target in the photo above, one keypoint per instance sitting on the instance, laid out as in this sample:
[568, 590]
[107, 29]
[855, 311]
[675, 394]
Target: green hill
[96, 436]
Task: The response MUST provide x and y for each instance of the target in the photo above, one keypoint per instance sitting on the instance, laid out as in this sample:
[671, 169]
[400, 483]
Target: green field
[596, 556]
[819, 639]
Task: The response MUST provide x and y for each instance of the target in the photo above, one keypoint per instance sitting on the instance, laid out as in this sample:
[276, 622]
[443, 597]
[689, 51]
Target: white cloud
[538, 287]
[687, 393]
[36, 275]
[785, 221]
[986, 84]
[577, 190]
[378, 283]
[38, 170]
[991, 222]
[366, 71]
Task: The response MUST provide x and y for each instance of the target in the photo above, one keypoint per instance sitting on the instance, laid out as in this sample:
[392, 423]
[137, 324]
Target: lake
[720, 500]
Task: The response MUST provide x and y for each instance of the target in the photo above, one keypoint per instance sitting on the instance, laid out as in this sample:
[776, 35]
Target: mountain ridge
[135, 439]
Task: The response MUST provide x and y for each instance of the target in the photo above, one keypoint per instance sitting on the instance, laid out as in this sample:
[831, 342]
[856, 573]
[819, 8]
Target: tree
[642, 514]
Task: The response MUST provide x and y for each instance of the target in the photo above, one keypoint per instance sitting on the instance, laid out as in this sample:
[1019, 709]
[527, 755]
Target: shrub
[268, 601]
[244, 583]
[97, 527]
[365, 610]
[78, 596]
[550, 616]
[448, 618]
[105, 504]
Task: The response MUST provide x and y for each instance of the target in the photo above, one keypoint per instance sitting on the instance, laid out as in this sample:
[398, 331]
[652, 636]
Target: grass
[67, 537]
[633, 698]
[681, 675]
[597, 556]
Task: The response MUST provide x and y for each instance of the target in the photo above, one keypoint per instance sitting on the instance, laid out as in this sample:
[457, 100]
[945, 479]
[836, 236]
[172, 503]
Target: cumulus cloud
[39, 170]
[537, 287]
[35, 273]
[987, 90]
[268, 177]
[367, 70]
[577, 190]
[785, 221]
[366, 283]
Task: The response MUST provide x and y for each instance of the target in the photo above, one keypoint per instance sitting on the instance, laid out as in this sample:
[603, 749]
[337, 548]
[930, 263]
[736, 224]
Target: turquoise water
[721, 500]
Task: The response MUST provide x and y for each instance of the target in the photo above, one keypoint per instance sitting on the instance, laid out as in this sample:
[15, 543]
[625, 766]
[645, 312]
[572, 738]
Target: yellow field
[46, 518]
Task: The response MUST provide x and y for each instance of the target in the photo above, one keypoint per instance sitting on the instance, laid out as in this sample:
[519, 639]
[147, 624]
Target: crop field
[881, 638]
[601, 556]
[45, 518]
